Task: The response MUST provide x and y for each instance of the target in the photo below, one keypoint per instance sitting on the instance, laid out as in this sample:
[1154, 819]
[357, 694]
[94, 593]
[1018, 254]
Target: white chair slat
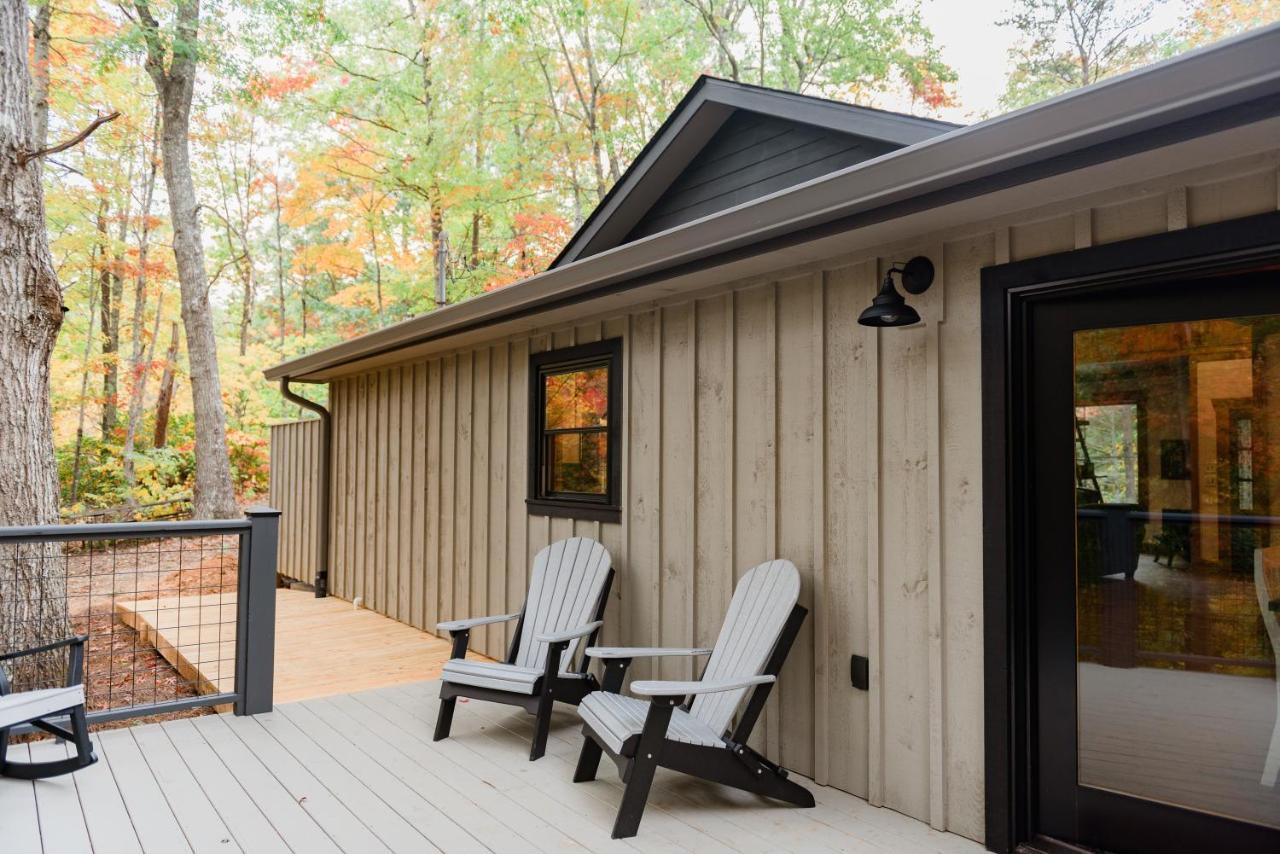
[761, 604]
[565, 586]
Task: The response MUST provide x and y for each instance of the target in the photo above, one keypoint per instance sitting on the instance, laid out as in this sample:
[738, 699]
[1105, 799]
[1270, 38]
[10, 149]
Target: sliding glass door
[1154, 430]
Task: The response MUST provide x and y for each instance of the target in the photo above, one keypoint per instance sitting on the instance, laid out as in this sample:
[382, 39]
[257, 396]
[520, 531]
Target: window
[1107, 455]
[575, 429]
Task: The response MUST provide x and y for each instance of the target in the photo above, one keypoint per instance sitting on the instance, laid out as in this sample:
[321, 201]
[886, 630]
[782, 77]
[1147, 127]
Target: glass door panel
[1177, 495]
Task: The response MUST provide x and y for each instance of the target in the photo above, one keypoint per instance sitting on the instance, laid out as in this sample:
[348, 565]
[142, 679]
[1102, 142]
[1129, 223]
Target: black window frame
[541, 501]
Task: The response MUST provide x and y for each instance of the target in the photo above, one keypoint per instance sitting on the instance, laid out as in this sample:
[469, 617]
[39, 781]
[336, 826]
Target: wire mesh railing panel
[159, 604]
[160, 615]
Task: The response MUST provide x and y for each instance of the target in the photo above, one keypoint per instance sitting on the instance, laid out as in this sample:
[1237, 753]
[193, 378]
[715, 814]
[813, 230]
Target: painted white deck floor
[359, 773]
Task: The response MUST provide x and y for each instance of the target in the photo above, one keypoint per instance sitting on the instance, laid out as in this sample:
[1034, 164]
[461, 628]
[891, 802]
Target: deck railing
[179, 615]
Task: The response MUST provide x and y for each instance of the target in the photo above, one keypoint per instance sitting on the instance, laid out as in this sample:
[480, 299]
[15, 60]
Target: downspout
[326, 433]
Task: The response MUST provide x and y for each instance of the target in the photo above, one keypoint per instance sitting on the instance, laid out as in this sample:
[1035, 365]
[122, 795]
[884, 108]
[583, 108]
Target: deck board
[62, 826]
[287, 817]
[121, 764]
[201, 825]
[111, 829]
[328, 811]
[18, 806]
[359, 773]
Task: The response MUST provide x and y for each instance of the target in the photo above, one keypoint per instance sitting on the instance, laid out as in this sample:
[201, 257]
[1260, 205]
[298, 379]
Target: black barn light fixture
[889, 308]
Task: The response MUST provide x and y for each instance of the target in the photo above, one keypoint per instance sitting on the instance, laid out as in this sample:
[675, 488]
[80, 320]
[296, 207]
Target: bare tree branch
[25, 157]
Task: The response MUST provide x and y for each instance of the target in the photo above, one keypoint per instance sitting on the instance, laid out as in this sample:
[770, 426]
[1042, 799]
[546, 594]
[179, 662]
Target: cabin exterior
[910, 473]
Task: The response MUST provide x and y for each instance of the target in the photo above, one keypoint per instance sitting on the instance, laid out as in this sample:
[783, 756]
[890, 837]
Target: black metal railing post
[256, 604]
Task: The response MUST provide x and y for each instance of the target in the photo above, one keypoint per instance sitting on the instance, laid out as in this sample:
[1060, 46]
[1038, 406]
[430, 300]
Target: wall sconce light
[889, 308]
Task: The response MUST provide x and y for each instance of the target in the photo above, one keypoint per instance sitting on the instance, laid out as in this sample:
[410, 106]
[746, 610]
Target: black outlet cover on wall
[859, 672]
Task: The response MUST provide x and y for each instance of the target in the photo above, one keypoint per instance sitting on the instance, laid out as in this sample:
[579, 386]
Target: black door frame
[1007, 291]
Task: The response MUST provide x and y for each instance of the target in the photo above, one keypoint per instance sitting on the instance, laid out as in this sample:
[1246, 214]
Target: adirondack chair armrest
[569, 634]
[654, 688]
[75, 660]
[460, 631]
[465, 625]
[77, 640]
[641, 651]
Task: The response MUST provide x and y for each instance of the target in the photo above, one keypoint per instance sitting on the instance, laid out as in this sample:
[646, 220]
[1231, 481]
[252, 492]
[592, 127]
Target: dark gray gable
[750, 156]
[728, 143]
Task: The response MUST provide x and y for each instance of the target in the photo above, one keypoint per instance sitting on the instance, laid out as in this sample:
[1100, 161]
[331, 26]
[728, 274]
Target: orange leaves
[336, 259]
[360, 295]
[538, 237]
[278, 86]
[934, 93]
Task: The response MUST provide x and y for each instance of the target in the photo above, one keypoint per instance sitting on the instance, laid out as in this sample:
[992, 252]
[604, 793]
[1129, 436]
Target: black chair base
[539, 704]
[739, 767]
[731, 764]
[78, 735]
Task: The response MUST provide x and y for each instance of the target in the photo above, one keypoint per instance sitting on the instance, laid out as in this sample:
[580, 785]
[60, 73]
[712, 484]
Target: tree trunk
[275, 186]
[165, 398]
[214, 497]
[246, 301]
[84, 395]
[32, 577]
[40, 75]
[112, 301]
[110, 332]
[139, 365]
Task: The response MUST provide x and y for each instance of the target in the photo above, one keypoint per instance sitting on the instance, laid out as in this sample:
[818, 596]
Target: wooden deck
[323, 646]
[359, 773]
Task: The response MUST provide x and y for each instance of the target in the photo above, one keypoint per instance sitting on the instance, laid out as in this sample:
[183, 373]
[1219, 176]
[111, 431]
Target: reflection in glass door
[1177, 482]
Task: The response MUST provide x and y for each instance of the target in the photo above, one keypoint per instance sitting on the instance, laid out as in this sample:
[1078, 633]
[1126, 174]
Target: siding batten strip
[431, 587]
[1083, 224]
[875, 705]
[821, 642]
[691, 666]
[1176, 208]
[418, 495]
[772, 737]
[731, 437]
[655, 629]
[937, 754]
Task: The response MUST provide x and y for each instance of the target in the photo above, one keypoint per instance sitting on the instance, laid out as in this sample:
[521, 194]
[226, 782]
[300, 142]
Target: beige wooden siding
[296, 450]
[760, 421]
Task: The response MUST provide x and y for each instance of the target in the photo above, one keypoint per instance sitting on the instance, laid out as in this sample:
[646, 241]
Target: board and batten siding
[760, 422]
[296, 448]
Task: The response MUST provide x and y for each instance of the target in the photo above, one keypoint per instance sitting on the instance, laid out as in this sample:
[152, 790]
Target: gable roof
[717, 111]
[1232, 86]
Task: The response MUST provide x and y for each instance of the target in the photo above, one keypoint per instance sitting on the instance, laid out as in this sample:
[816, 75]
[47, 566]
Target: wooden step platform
[323, 646]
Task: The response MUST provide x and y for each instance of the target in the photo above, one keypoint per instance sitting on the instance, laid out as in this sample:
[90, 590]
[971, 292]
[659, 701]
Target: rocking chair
[38, 707]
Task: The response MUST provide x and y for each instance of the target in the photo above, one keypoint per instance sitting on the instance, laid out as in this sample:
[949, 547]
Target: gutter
[1229, 84]
[326, 447]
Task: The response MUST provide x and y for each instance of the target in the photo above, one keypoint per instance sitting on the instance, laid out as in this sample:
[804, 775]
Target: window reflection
[1178, 563]
[576, 430]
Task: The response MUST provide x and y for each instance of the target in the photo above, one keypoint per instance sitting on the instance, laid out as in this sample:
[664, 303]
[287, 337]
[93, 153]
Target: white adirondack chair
[692, 737]
[1271, 620]
[565, 604]
[37, 707]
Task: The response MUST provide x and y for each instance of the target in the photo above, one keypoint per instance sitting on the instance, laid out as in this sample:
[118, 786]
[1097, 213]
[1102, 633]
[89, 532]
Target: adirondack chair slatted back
[761, 604]
[564, 592]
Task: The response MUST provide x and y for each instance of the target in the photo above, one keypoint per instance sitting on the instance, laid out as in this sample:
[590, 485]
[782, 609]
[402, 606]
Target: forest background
[355, 161]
